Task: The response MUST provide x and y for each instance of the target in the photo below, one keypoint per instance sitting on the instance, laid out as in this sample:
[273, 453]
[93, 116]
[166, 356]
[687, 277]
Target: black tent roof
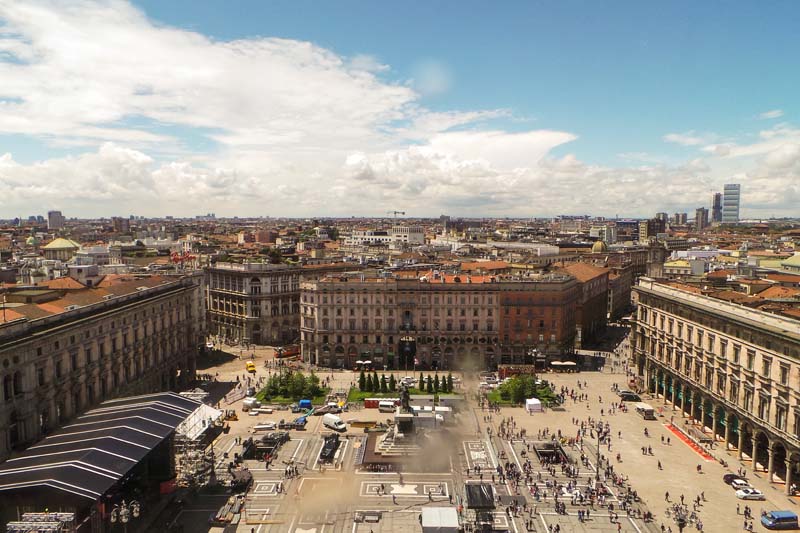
[479, 496]
[87, 457]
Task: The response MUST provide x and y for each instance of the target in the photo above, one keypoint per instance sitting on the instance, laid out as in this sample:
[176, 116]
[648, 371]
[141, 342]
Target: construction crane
[395, 213]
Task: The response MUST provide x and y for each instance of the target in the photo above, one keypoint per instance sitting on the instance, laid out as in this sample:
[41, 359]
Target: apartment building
[66, 349]
[733, 369]
[253, 303]
[439, 320]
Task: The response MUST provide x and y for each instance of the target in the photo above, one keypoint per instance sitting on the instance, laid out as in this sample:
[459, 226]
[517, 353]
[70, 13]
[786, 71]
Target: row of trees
[294, 385]
[371, 383]
[432, 385]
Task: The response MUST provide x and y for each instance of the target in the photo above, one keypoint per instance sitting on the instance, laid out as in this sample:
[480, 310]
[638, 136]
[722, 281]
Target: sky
[458, 107]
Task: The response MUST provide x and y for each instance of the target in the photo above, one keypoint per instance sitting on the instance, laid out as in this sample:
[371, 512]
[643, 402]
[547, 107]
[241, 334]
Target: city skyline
[328, 110]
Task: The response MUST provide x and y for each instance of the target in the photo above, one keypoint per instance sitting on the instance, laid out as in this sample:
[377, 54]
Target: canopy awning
[86, 458]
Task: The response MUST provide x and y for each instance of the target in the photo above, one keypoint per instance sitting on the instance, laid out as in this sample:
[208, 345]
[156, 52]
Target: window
[751, 359]
[780, 417]
[737, 351]
[763, 407]
[40, 376]
[711, 343]
[784, 375]
[766, 367]
[748, 399]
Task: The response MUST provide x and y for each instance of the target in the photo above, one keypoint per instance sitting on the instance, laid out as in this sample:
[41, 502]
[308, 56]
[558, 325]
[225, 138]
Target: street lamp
[123, 512]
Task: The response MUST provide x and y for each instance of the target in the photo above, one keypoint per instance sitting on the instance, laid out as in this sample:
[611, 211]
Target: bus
[287, 351]
[646, 411]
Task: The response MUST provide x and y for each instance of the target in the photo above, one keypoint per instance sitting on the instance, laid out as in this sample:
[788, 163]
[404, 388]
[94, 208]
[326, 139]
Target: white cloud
[774, 113]
[295, 129]
[689, 138]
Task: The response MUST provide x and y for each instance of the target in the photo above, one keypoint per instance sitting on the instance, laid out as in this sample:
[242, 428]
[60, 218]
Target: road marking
[297, 450]
[222, 460]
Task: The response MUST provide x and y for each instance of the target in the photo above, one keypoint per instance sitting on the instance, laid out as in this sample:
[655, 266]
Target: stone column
[741, 443]
[683, 400]
[771, 462]
[702, 413]
[789, 480]
[713, 423]
[728, 430]
[755, 453]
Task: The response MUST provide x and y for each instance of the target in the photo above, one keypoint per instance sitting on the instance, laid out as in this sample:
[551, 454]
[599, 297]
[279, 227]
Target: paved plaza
[327, 498]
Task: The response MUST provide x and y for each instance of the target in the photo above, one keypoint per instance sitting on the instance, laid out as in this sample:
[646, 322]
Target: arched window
[7, 388]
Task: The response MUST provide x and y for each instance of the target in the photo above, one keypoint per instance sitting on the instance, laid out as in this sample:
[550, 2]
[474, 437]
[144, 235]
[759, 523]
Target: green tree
[313, 388]
[450, 382]
[362, 381]
[275, 256]
[297, 385]
[429, 385]
[384, 384]
[369, 387]
[421, 382]
[376, 383]
[436, 383]
[392, 383]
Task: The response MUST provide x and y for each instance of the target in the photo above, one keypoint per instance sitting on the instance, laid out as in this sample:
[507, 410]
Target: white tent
[533, 405]
[198, 421]
[439, 520]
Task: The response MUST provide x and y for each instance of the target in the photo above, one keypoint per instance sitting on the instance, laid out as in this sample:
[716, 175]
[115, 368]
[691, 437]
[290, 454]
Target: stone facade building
[253, 303]
[440, 320]
[64, 351]
[732, 369]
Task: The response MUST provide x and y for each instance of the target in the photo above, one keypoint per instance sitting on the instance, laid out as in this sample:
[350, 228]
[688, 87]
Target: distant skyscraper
[716, 208]
[681, 219]
[700, 218]
[663, 217]
[731, 194]
[55, 220]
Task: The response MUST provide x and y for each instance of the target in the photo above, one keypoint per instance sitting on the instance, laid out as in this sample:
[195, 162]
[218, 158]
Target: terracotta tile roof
[736, 297]
[33, 311]
[778, 291]
[486, 266]
[784, 278]
[720, 274]
[794, 313]
[583, 272]
[9, 314]
[65, 283]
[684, 287]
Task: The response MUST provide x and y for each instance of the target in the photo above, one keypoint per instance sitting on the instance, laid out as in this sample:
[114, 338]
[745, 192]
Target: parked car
[750, 494]
[728, 478]
[779, 520]
[630, 397]
[251, 391]
[739, 484]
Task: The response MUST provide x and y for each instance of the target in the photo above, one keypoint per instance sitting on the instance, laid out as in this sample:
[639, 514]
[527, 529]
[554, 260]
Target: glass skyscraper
[730, 203]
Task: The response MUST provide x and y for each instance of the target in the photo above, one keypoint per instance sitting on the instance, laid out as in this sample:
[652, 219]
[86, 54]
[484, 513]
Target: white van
[331, 421]
[386, 407]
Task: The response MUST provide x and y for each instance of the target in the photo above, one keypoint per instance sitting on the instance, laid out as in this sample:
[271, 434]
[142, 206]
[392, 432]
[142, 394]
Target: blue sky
[618, 74]
[512, 108]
